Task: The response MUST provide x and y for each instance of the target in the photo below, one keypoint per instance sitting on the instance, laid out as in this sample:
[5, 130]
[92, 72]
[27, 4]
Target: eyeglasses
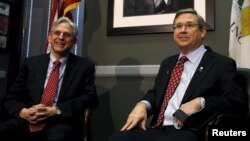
[64, 34]
[187, 26]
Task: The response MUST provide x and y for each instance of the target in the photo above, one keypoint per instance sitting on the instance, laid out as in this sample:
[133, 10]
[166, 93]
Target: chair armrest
[228, 120]
[86, 124]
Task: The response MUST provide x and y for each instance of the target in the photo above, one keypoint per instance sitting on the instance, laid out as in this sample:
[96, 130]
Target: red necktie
[49, 94]
[172, 85]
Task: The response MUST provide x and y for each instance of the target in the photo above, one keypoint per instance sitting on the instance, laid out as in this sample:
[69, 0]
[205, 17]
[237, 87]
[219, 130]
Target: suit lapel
[68, 74]
[165, 74]
[41, 70]
[200, 73]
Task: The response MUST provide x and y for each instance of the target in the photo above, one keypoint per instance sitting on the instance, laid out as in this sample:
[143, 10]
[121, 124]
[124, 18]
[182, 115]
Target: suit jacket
[214, 80]
[174, 5]
[77, 92]
[138, 7]
[147, 7]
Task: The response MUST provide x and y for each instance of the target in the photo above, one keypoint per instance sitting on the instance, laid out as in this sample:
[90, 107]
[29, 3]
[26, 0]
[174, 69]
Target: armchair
[234, 122]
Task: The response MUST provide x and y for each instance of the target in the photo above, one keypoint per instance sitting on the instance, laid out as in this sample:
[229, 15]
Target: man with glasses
[189, 88]
[47, 99]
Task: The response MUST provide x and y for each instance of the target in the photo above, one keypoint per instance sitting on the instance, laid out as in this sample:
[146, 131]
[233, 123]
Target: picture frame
[4, 24]
[117, 24]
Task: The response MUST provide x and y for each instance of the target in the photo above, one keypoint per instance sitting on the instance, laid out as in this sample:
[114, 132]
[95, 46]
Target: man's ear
[49, 38]
[203, 32]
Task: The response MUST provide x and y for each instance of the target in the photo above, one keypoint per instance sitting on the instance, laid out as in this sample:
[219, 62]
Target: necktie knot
[57, 63]
[183, 59]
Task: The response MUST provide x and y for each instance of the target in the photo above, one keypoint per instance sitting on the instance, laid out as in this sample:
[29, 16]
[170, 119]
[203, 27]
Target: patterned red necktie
[172, 85]
[49, 94]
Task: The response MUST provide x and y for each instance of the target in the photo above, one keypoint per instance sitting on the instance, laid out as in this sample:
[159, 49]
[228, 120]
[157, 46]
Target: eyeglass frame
[64, 34]
[187, 26]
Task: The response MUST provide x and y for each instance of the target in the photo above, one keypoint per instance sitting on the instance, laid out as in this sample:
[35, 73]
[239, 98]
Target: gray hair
[67, 21]
[200, 20]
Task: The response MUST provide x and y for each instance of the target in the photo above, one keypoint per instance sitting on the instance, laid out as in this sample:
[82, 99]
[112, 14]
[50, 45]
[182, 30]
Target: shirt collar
[194, 55]
[63, 60]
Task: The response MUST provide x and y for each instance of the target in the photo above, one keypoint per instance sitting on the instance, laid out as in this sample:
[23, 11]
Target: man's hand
[189, 108]
[192, 106]
[37, 113]
[138, 116]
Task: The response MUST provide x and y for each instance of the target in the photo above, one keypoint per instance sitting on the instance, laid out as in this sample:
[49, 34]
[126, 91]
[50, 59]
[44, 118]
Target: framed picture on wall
[126, 17]
[4, 24]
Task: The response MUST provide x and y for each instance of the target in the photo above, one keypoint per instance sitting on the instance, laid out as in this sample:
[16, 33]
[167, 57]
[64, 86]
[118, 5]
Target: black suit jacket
[138, 7]
[214, 80]
[77, 92]
[173, 6]
[147, 7]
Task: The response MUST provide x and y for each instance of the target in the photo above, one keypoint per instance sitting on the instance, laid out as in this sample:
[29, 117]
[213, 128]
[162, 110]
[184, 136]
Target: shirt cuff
[203, 103]
[148, 105]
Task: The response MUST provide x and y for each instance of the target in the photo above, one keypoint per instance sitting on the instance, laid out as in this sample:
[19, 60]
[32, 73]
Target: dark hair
[201, 22]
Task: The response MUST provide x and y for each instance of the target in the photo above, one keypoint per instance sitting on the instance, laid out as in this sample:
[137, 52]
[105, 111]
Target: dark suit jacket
[146, 7]
[214, 80]
[138, 7]
[174, 5]
[77, 91]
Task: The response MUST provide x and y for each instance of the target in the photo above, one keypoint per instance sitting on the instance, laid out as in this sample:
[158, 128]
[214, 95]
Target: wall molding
[120, 70]
[127, 70]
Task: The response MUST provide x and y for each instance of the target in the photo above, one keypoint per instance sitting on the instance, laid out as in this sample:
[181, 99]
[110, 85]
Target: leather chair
[240, 122]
